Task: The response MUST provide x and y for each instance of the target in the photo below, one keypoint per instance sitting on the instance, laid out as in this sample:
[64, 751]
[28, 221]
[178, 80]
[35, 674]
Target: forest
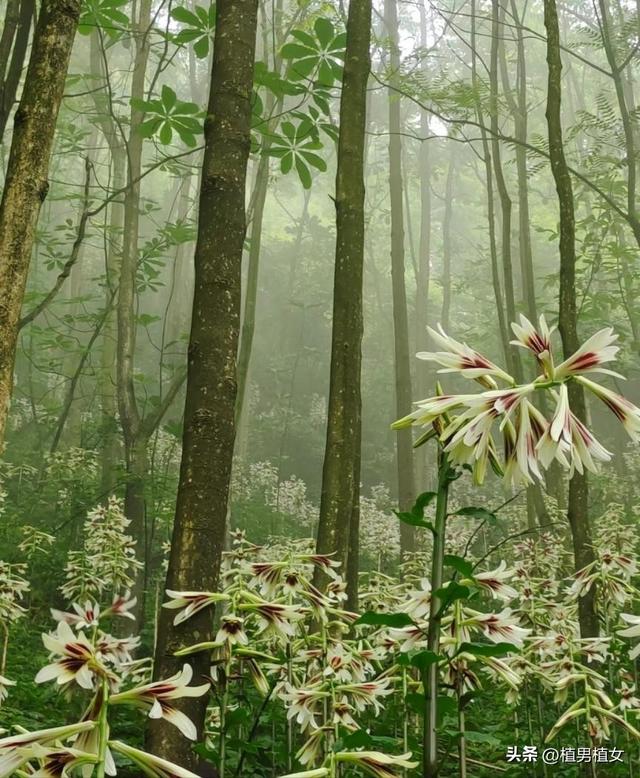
[319, 355]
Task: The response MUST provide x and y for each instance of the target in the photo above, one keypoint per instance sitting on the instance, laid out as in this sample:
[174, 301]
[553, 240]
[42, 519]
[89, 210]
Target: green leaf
[416, 702]
[463, 566]
[305, 38]
[423, 501]
[325, 31]
[286, 163]
[414, 521]
[296, 51]
[169, 97]
[166, 134]
[394, 620]
[149, 128]
[488, 649]
[315, 160]
[303, 173]
[424, 659]
[201, 48]
[481, 737]
[477, 513]
[358, 739]
[185, 16]
[450, 593]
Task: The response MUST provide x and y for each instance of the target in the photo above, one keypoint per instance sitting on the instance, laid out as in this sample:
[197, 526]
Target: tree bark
[578, 507]
[486, 157]
[26, 183]
[404, 446]
[445, 318]
[13, 50]
[209, 422]
[423, 371]
[513, 358]
[339, 501]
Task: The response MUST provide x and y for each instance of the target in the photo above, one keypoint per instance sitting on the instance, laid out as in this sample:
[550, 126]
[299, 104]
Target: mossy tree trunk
[339, 502]
[209, 421]
[578, 506]
[26, 183]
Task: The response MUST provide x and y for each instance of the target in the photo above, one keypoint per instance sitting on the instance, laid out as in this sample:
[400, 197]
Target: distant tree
[404, 451]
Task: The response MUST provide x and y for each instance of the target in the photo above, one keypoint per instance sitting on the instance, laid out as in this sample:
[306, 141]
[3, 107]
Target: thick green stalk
[430, 675]
[103, 724]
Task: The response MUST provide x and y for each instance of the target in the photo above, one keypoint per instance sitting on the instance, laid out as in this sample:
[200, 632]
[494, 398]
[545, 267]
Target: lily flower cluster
[107, 562]
[290, 638]
[462, 626]
[464, 422]
[103, 665]
[13, 587]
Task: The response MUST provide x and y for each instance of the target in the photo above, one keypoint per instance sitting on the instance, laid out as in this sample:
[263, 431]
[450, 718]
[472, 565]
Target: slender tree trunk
[629, 124]
[519, 111]
[578, 509]
[251, 293]
[503, 192]
[114, 220]
[423, 369]
[486, 156]
[26, 182]
[339, 501]
[445, 317]
[209, 423]
[13, 51]
[404, 447]
[126, 308]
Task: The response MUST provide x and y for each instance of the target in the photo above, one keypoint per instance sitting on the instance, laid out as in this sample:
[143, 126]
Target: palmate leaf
[319, 57]
[198, 30]
[169, 115]
[103, 14]
[295, 147]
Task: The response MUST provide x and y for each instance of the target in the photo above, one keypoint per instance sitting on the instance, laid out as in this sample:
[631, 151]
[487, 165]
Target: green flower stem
[223, 714]
[103, 724]
[430, 674]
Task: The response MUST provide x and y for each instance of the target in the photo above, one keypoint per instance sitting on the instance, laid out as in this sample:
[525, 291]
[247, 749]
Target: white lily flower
[594, 352]
[495, 582]
[153, 766]
[376, 763]
[500, 627]
[537, 340]
[457, 357]
[631, 632]
[77, 660]
[624, 410]
[156, 697]
[191, 603]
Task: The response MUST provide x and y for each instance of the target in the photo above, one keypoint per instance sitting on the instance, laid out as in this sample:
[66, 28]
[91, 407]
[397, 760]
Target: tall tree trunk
[578, 508]
[13, 51]
[26, 183]
[486, 157]
[339, 501]
[505, 200]
[126, 308]
[629, 124]
[423, 370]
[445, 317]
[404, 447]
[114, 221]
[209, 421]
